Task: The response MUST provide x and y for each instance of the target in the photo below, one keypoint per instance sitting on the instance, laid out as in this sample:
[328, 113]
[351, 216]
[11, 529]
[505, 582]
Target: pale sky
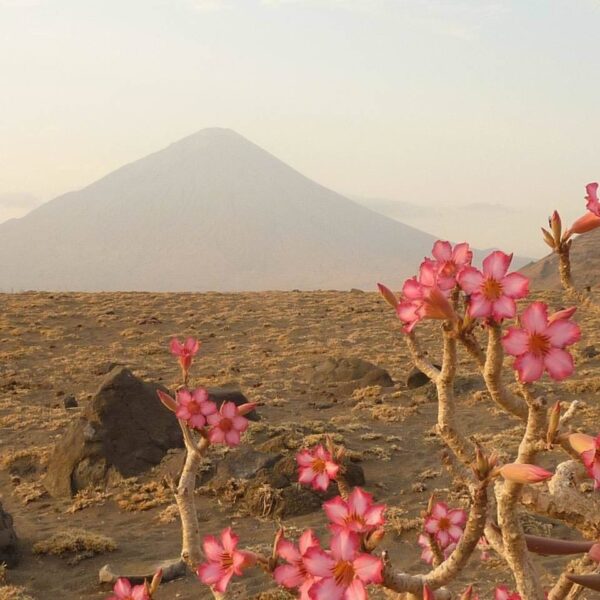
[430, 102]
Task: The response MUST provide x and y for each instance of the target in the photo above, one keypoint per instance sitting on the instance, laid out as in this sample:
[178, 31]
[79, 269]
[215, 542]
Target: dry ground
[52, 345]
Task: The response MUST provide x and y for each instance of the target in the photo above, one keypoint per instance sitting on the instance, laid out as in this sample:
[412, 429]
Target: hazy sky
[469, 102]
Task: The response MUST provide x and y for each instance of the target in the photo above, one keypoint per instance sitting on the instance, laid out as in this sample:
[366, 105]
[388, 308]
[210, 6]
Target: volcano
[212, 211]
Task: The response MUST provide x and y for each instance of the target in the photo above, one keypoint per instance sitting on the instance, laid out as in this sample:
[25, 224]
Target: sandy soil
[52, 345]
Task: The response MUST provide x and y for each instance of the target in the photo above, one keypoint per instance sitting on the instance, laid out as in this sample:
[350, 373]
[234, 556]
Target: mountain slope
[210, 212]
[585, 265]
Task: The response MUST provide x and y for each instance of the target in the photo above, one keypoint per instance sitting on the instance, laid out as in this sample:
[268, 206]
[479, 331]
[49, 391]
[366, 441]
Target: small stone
[70, 402]
[416, 378]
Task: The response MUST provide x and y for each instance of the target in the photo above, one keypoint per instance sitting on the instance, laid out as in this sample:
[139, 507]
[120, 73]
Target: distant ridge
[212, 211]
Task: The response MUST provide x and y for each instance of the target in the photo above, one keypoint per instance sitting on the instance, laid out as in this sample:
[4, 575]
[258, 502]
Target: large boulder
[124, 431]
[9, 553]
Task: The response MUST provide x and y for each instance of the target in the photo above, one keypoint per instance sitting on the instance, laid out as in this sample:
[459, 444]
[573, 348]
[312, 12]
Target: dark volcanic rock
[9, 553]
[70, 402]
[124, 431]
[350, 373]
[416, 378]
[265, 484]
[231, 394]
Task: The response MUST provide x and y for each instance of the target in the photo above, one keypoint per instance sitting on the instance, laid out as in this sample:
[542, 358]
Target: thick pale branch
[492, 375]
[508, 496]
[420, 359]
[562, 499]
[190, 545]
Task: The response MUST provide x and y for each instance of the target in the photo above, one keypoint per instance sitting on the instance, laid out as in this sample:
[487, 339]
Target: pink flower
[591, 460]
[123, 590]
[445, 524]
[450, 261]
[593, 204]
[344, 570]
[224, 560]
[228, 424]
[194, 407]
[524, 473]
[185, 351]
[422, 298]
[502, 593]
[316, 468]
[294, 574]
[357, 514]
[493, 292]
[539, 344]
[427, 555]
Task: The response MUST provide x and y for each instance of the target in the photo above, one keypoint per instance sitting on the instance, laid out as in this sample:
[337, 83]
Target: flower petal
[559, 364]
[504, 308]
[289, 576]
[359, 501]
[515, 285]
[516, 341]
[344, 545]
[336, 510]
[470, 280]
[563, 333]
[535, 317]
[442, 251]
[496, 264]
[479, 306]
[368, 568]
[462, 254]
[530, 367]
[318, 563]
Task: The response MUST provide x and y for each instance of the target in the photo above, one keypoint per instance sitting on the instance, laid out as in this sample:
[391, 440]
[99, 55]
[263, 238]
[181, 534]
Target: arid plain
[54, 345]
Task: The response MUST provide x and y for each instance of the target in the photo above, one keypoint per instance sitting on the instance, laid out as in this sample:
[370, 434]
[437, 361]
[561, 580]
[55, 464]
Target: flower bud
[594, 553]
[561, 315]
[388, 295]
[427, 593]
[155, 582]
[588, 222]
[581, 442]
[167, 400]
[467, 594]
[437, 306]
[375, 538]
[553, 422]
[524, 473]
[556, 225]
[244, 409]
[548, 238]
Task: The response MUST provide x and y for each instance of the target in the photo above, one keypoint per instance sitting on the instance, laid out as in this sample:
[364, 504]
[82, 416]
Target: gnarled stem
[508, 496]
[184, 496]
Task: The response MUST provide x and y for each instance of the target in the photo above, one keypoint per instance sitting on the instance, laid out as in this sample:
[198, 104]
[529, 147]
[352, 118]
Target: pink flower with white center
[450, 261]
[503, 593]
[316, 468]
[185, 352]
[492, 293]
[228, 424]
[539, 344]
[194, 407]
[591, 460]
[344, 570]
[223, 560]
[593, 204]
[357, 514]
[423, 299]
[427, 554]
[445, 524]
[123, 590]
[294, 574]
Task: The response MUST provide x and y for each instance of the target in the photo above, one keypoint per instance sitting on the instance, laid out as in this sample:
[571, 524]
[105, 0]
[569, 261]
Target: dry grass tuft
[144, 496]
[13, 592]
[86, 498]
[75, 544]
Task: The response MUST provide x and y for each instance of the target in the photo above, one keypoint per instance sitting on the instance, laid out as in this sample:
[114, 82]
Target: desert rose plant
[476, 309]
